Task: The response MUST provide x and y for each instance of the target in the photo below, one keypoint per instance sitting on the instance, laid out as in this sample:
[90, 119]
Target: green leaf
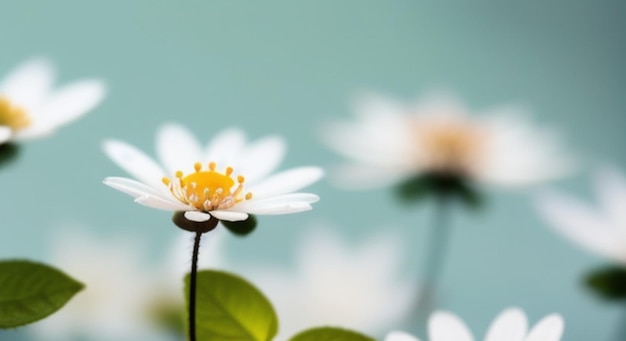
[30, 291]
[8, 153]
[608, 282]
[330, 334]
[241, 228]
[230, 308]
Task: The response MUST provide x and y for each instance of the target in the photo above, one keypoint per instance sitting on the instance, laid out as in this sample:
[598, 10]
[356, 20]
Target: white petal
[5, 134]
[287, 181]
[229, 215]
[550, 328]
[197, 216]
[509, 325]
[400, 336]
[225, 147]
[178, 149]
[444, 326]
[582, 225]
[361, 176]
[129, 186]
[136, 163]
[289, 203]
[159, 203]
[28, 85]
[261, 158]
[610, 187]
[71, 102]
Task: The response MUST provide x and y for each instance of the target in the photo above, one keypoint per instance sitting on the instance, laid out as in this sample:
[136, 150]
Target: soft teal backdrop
[286, 67]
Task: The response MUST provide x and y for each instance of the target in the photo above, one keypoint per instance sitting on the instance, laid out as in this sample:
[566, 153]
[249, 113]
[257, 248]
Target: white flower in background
[31, 108]
[336, 284]
[509, 325]
[391, 142]
[113, 304]
[209, 181]
[600, 229]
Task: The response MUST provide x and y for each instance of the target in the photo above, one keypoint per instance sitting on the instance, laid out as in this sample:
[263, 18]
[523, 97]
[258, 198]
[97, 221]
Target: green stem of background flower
[192, 287]
[439, 240]
[434, 260]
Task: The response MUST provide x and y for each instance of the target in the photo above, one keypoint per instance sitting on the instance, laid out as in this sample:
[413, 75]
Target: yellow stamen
[208, 190]
[12, 116]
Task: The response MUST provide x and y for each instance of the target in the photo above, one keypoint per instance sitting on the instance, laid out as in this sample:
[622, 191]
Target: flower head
[601, 230]
[392, 142]
[509, 325]
[228, 179]
[31, 108]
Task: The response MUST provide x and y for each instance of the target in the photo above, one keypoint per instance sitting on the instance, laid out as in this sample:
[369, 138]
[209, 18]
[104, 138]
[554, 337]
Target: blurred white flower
[31, 108]
[336, 284]
[391, 142]
[201, 181]
[600, 229]
[5, 134]
[509, 325]
[113, 304]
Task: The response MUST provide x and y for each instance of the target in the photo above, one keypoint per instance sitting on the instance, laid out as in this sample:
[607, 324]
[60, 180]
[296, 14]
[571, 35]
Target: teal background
[287, 67]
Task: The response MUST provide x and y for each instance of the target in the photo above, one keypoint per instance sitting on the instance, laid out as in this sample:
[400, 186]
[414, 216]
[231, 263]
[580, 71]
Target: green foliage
[8, 153]
[241, 228]
[329, 334]
[436, 185]
[608, 282]
[30, 291]
[228, 308]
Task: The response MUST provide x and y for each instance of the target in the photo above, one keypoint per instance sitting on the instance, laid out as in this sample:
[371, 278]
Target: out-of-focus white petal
[509, 325]
[550, 328]
[582, 225]
[400, 336]
[610, 188]
[229, 215]
[445, 326]
[5, 134]
[226, 146]
[135, 163]
[28, 85]
[178, 149]
[261, 158]
[287, 181]
[70, 102]
[361, 176]
[197, 216]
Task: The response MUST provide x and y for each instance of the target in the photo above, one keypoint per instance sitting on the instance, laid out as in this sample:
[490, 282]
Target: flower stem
[192, 287]
[439, 240]
[434, 261]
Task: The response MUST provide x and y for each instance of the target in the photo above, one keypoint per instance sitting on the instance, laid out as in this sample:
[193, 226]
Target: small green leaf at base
[230, 308]
[608, 282]
[330, 334]
[241, 228]
[30, 291]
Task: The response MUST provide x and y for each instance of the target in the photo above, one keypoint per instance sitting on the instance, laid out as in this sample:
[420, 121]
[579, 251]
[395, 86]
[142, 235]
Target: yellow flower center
[208, 190]
[12, 116]
[453, 147]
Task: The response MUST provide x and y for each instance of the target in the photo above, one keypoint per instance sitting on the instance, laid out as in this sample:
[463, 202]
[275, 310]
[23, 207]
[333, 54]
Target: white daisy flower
[601, 230]
[509, 325]
[31, 108]
[391, 142]
[228, 179]
[337, 284]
